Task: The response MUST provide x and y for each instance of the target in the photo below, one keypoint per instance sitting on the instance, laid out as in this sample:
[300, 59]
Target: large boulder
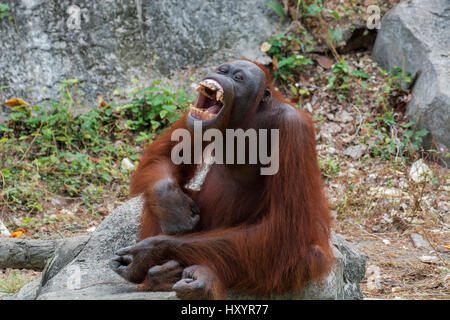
[88, 276]
[105, 44]
[415, 35]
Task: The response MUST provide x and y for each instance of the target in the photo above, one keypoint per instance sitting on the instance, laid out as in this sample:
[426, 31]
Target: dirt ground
[394, 268]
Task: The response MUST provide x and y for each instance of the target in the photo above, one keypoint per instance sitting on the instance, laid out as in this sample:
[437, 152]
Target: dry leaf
[323, 61]
[17, 233]
[15, 102]
[93, 159]
[274, 64]
[101, 103]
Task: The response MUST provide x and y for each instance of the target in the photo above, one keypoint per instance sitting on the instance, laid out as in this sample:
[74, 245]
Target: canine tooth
[219, 96]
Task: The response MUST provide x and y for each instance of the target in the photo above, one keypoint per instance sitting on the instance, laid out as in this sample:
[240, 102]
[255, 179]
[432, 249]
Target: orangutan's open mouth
[209, 101]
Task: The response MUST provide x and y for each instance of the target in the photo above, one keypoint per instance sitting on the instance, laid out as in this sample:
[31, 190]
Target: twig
[371, 234]
[94, 284]
[360, 119]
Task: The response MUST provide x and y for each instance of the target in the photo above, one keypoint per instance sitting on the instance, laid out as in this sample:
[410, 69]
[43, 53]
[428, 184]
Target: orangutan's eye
[224, 68]
[238, 76]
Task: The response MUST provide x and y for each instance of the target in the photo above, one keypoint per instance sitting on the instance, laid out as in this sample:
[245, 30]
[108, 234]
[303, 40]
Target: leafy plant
[286, 66]
[154, 107]
[277, 8]
[4, 11]
[283, 45]
[48, 149]
[338, 79]
[394, 141]
[360, 74]
[285, 49]
[329, 167]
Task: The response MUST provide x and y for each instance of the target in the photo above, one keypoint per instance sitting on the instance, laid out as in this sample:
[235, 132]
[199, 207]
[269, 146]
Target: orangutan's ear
[267, 95]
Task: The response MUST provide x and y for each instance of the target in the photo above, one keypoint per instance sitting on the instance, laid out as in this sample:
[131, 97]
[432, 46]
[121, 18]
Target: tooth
[219, 96]
[201, 114]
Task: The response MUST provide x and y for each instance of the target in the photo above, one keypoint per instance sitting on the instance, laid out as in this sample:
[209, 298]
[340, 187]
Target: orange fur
[267, 236]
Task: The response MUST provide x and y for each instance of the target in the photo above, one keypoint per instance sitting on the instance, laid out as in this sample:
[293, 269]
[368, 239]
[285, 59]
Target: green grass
[14, 280]
[48, 150]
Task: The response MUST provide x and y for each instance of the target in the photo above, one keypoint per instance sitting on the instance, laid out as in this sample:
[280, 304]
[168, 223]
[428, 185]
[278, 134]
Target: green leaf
[163, 113]
[277, 8]
[313, 10]
[285, 61]
[155, 124]
[170, 108]
[334, 14]
[336, 35]
[360, 74]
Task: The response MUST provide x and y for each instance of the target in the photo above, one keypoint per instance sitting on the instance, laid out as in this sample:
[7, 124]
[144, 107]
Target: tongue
[214, 109]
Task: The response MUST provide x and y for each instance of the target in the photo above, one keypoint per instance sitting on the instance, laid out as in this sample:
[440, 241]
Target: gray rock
[419, 241]
[105, 44]
[355, 152]
[88, 276]
[414, 34]
[4, 232]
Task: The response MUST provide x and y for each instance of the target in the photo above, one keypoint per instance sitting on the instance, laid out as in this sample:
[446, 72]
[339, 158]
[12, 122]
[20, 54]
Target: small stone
[118, 143]
[127, 164]
[331, 151]
[429, 259]
[56, 201]
[308, 107]
[4, 232]
[419, 242]
[355, 152]
[344, 116]
[386, 241]
[385, 192]
[419, 171]
[348, 128]
[329, 130]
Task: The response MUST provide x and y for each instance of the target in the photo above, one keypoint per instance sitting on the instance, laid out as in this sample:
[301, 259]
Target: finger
[184, 285]
[189, 272]
[115, 263]
[124, 251]
[126, 260]
[121, 260]
[164, 268]
[118, 268]
[187, 290]
[172, 264]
